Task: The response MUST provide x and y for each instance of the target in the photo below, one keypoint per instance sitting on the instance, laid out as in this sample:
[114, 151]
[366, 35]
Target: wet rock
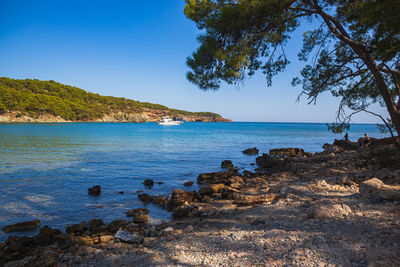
[47, 235]
[114, 226]
[128, 237]
[121, 192]
[64, 241]
[189, 183]
[212, 189]
[21, 227]
[179, 197]
[97, 225]
[141, 218]
[182, 211]
[328, 211]
[266, 161]
[251, 151]
[369, 188]
[18, 243]
[76, 228]
[134, 212]
[159, 200]
[287, 152]
[226, 164]
[145, 198]
[226, 178]
[148, 182]
[95, 190]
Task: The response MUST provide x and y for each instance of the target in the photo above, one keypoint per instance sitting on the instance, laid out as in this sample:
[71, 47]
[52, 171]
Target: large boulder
[47, 235]
[21, 227]
[250, 151]
[131, 213]
[369, 188]
[389, 192]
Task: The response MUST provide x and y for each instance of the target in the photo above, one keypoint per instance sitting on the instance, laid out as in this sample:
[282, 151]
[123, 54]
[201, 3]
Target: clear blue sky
[137, 49]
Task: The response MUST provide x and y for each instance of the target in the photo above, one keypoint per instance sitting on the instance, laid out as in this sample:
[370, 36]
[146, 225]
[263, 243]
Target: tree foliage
[352, 50]
[36, 97]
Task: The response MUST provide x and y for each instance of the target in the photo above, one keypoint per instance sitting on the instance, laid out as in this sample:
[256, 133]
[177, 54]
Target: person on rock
[367, 140]
[346, 137]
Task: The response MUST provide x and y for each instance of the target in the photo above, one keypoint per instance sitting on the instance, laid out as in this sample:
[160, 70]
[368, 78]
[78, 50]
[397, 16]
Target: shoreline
[303, 209]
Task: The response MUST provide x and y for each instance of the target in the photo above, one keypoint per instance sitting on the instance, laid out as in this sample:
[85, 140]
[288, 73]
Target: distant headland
[32, 100]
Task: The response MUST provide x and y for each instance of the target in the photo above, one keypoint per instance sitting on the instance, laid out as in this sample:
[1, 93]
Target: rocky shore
[339, 207]
[148, 115]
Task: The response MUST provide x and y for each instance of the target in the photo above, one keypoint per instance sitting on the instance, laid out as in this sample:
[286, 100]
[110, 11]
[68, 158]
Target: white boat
[167, 122]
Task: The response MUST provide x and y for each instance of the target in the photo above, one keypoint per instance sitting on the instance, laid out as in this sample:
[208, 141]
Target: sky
[138, 50]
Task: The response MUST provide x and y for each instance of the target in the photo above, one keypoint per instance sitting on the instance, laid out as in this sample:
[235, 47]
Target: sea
[46, 169]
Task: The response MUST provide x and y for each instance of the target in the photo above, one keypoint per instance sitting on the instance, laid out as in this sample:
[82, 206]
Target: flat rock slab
[21, 227]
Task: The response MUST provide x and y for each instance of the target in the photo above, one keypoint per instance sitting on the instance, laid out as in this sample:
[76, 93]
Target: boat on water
[169, 122]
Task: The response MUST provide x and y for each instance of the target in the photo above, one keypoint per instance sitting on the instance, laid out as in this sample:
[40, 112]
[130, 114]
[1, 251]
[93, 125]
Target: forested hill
[35, 100]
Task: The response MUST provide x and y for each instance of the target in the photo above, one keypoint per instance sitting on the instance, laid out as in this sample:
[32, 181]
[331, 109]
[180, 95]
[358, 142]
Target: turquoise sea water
[46, 169]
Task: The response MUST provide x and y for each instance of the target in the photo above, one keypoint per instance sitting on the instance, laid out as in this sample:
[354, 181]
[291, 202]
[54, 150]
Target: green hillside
[35, 97]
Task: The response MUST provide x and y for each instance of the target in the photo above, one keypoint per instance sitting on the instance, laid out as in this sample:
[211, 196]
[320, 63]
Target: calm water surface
[46, 169]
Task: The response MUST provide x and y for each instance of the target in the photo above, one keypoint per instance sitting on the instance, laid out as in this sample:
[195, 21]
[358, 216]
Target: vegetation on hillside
[34, 97]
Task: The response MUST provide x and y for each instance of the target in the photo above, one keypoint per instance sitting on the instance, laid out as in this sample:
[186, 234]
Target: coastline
[309, 210]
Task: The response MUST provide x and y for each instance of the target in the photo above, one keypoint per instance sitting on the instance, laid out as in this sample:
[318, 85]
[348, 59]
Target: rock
[347, 145]
[179, 197]
[114, 226]
[229, 193]
[287, 152]
[145, 198]
[128, 237]
[389, 192]
[106, 238]
[47, 235]
[212, 189]
[182, 211]
[309, 154]
[266, 161]
[95, 190]
[76, 228]
[147, 241]
[85, 240]
[383, 257]
[227, 164]
[96, 226]
[189, 183]
[148, 182]
[347, 181]
[21, 227]
[250, 151]
[188, 228]
[369, 188]
[251, 200]
[328, 211]
[141, 218]
[121, 192]
[226, 178]
[159, 200]
[138, 211]
[17, 243]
